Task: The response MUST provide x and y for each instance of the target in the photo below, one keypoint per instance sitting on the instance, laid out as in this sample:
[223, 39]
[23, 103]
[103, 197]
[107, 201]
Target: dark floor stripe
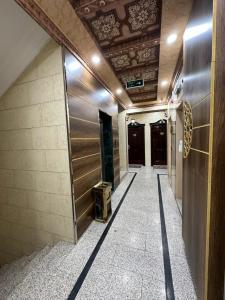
[91, 259]
[166, 256]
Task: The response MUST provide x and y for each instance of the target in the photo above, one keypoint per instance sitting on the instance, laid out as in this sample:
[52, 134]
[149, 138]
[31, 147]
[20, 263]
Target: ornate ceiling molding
[144, 97]
[128, 33]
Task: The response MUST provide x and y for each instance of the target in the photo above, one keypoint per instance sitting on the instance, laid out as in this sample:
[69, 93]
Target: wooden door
[159, 143]
[136, 144]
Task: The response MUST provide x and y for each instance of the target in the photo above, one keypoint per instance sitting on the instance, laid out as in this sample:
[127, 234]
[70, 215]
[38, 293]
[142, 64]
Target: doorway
[136, 144]
[106, 147]
[159, 143]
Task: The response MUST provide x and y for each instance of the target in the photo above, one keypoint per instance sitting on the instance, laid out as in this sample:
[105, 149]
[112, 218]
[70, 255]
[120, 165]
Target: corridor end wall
[147, 118]
[35, 188]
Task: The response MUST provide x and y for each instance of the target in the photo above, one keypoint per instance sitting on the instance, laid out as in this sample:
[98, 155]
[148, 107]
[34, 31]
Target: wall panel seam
[84, 120]
[78, 219]
[201, 126]
[85, 138]
[202, 100]
[87, 191]
[86, 174]
[200, 151]
[74, 159]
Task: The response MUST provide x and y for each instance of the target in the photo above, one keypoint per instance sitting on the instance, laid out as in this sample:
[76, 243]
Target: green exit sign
[135, 83]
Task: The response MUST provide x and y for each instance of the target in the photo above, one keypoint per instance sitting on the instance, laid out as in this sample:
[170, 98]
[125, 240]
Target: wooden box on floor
[102, 195]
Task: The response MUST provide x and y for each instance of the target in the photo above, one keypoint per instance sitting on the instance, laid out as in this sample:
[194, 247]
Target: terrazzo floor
[129, 264]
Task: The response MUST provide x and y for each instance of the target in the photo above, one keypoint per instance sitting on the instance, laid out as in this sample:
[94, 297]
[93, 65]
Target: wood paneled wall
[197, 90]
[86, 96]
[216, 252]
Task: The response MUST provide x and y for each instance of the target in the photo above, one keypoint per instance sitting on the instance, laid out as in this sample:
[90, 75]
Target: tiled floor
[129, 264]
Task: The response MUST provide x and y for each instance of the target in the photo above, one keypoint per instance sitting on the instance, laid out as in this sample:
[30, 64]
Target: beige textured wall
[35, 192]
[147, 118]
[123, 141]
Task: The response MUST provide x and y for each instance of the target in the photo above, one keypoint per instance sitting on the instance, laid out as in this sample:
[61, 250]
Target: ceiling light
[164, 83]
[119, 91]
[195, 31]
[172, 38]
[130, 105]
[74, 66]
[96, 59]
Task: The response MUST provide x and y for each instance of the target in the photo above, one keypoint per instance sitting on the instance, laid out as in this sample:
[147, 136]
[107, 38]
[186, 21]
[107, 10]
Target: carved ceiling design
[128, 33]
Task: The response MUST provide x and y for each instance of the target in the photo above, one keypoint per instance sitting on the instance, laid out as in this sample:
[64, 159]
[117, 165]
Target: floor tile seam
[141, 249]
[153, 230]
[71, 295]
[136, 232]
[139, 212]
[160, 267]
[142, 231]
[137, 273]
[123, 269]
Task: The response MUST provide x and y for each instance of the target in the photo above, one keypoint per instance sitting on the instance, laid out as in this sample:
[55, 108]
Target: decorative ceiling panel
[144, 97]
[148, 88]
[128, 33]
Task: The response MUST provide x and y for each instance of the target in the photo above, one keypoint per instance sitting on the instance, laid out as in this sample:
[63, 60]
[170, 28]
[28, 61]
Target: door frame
[101, 114]
[134, 125]
[159, 122]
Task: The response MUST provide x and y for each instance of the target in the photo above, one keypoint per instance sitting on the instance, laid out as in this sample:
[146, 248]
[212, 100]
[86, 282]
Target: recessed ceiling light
[96, 59]
[74, 66]
[119, 91]
[172, 38]
[164, 83]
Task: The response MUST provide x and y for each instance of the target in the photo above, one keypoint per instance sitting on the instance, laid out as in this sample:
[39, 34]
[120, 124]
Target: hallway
[131, 262]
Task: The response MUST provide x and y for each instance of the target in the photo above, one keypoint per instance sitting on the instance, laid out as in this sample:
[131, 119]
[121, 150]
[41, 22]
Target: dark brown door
[136, 144]
[159, 143]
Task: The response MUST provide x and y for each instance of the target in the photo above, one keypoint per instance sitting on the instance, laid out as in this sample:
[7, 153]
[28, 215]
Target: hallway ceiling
[132, 37]
[128, 33]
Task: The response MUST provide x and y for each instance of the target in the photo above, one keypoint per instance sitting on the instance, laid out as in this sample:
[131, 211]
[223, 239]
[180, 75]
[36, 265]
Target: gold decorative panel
[188, 127]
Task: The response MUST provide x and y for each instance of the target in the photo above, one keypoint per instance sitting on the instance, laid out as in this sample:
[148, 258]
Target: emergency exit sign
[135, 84]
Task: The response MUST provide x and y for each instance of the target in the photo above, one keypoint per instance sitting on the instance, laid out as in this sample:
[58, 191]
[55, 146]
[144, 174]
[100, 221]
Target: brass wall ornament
[188, 128]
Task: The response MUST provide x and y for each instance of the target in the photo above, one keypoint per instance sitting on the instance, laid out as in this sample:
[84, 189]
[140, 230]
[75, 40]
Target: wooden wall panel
[194, 209]
[85, 220]
[83, 203]
[83, 129]
[197, 90]
[201, 112]
[85, 183]
[84, 147]
[216, 265]
[86, 96]
[86, 165]
[200, 138]
[82, 110]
